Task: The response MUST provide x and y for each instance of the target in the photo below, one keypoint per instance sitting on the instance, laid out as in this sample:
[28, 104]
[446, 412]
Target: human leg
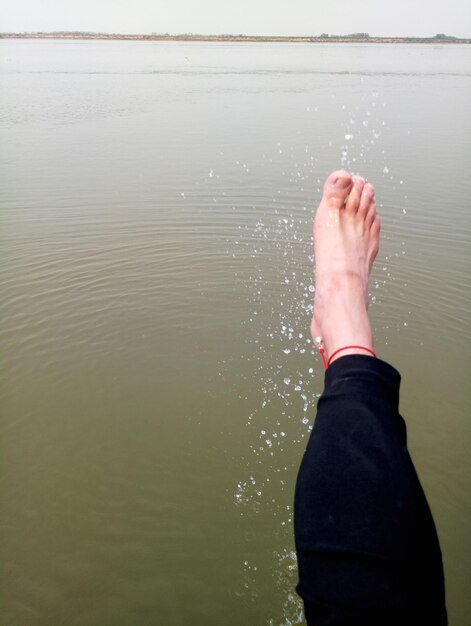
[367, 548]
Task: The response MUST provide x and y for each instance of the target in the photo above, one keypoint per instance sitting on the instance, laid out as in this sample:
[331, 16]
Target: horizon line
[324, 36]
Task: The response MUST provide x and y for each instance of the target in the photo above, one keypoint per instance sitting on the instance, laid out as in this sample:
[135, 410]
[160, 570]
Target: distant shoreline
[233, 38]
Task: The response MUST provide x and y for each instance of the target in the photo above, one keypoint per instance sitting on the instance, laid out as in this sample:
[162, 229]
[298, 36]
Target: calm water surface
[158, 381]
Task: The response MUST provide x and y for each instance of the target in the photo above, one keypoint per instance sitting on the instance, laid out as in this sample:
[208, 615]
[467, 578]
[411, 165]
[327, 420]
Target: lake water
[158, 381]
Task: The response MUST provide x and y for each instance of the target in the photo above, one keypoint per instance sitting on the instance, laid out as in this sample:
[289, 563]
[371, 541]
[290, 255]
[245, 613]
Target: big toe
[337, 187]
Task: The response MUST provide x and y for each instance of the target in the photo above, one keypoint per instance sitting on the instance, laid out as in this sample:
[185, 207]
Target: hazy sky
[251, 17]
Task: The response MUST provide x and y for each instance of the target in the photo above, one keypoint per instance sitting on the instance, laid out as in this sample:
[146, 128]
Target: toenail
[342, 182]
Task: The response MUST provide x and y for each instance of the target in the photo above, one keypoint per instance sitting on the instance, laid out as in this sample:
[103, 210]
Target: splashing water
[283, 364]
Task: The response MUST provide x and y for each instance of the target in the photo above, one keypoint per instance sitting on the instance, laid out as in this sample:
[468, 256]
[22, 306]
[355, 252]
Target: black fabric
[367, 548]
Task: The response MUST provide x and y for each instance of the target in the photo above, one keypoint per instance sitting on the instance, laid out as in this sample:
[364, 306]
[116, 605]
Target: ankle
[349, 350]
[330, 352]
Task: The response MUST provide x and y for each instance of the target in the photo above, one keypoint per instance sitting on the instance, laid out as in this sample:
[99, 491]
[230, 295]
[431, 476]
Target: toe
[367, 198]
[375, 226]
[370, 215]
[374, 239]
[353, 201]
[337, 187]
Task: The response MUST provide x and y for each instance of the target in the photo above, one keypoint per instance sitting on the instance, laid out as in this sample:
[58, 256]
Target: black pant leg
[367, 548]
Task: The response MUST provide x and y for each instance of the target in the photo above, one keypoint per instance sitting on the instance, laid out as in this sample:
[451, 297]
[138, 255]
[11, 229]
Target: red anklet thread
[320, 346]
[324, 360]
[345, 348]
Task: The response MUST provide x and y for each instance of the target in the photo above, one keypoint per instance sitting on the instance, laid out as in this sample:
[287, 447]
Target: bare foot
[346, 242]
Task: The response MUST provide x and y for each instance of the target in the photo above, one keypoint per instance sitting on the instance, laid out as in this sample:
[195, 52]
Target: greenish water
[158, 382]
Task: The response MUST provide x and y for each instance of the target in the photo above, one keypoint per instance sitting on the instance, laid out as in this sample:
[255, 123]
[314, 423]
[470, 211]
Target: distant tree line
[440, 36]
[351, 36]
